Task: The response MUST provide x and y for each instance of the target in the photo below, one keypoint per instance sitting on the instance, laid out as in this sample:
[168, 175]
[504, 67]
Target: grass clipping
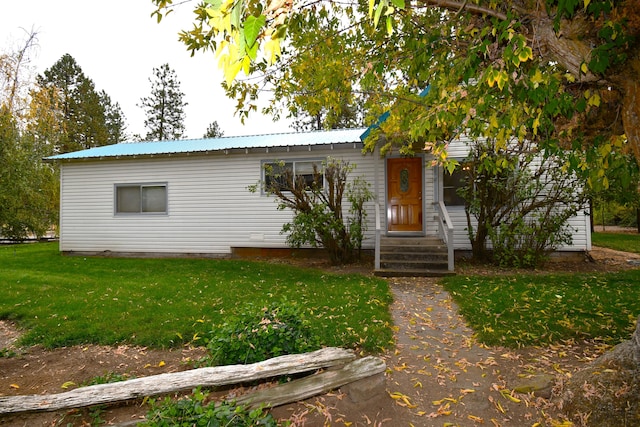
[607, 391]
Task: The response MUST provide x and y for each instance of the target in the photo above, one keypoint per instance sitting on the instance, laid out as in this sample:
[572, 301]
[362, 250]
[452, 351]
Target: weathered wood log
[177, 381]
[306, 387]
[313, 385]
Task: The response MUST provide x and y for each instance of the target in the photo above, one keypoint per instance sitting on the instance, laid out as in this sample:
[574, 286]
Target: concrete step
[413, 273]
[412, 256]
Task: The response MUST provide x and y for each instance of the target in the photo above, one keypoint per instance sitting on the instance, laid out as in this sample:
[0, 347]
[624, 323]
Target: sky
[118, 44]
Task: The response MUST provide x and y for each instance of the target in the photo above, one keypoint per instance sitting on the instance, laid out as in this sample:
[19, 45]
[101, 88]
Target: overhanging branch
[457, 6]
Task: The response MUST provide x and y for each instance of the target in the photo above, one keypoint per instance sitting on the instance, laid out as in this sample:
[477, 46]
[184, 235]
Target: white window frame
[141, 207]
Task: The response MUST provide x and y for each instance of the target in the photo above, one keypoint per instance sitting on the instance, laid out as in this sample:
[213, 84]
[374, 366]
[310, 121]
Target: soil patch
[436, 373]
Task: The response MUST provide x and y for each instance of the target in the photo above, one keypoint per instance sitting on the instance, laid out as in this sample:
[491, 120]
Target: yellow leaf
[15, 386]
[161, 364]
[68, 384]
[475, 419]
[584, 68]
[594, 100]
[246, 65]
[272, 50]
[493, 121]
[525, 54]
[507, 395]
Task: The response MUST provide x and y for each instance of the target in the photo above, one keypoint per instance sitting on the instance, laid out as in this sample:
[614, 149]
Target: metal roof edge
[186, 146]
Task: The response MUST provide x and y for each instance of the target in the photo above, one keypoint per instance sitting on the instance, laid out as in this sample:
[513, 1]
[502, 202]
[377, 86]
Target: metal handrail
[378, 232]
[446, 231]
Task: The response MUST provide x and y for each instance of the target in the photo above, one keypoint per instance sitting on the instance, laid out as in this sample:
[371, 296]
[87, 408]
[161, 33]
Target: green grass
[542, 309]
[618, 241]
[61, 300]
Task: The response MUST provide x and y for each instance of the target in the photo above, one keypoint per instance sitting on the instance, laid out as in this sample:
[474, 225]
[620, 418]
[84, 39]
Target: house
[191, 197]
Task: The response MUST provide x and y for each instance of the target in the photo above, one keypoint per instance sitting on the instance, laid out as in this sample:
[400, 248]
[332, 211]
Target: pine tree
[164, 108]
[114, 119]
[214, 130]
[83, 109]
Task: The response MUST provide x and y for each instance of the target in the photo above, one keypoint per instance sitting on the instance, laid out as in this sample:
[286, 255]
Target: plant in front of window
[521, 200]
[317, 204]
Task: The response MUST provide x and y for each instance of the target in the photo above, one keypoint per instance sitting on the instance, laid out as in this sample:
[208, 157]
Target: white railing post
[378, 230]
[446, 232]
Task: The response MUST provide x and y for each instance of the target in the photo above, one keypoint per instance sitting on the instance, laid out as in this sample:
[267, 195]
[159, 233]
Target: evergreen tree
[213, 131]
[114, 119]
[164, 108]
[83, 110]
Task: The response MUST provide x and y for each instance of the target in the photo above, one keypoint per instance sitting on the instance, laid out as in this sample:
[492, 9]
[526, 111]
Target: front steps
[413, 257]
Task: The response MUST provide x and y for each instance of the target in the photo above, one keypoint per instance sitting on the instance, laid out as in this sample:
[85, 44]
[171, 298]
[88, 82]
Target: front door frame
[416, 232]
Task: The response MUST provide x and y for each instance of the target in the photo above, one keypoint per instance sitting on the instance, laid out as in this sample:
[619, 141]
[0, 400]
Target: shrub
[258, 333]
[195, 411]
[319, 220]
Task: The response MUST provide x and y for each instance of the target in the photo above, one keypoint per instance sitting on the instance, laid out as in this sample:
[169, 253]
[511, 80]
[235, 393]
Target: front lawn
[539, 309]
[61, 301]
[618, 241]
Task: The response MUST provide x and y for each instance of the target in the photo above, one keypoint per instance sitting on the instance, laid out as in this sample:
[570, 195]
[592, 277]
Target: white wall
[210, 208]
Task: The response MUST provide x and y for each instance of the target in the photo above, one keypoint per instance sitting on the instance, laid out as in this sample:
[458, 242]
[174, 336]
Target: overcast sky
[117, 44]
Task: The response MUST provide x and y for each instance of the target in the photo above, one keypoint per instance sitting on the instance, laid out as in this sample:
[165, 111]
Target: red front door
[404, 194]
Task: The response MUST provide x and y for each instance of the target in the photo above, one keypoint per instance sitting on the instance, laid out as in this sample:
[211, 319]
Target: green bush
[258, 333]
[612, 213]
[195, 411]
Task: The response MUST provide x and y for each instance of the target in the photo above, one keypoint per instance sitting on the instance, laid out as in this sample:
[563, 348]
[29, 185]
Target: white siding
[210, 208]
[458, 150]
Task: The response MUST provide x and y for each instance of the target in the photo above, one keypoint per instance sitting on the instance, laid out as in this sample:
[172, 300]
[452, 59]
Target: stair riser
[397, 241]
[421, 249]
[399, 265]
[397, 256]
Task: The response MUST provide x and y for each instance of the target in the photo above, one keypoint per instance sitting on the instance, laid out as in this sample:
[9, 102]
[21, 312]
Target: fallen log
[313, 385]
[304, 388]
[177, 381]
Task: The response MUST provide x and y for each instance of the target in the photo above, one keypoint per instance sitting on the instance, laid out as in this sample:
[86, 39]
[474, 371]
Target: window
[279, 172]
[141, 198]
[450, 185]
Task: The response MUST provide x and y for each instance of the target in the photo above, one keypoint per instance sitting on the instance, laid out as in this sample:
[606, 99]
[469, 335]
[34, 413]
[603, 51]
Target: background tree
[28, 187]
[164, 108]
[114, 119]
[83, 110]
[213, 131]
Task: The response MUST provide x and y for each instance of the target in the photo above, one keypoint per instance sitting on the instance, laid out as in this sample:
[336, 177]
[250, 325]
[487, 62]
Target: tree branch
[457, 6]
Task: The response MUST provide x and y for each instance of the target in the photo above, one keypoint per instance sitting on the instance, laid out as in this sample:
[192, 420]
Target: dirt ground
[437, 374]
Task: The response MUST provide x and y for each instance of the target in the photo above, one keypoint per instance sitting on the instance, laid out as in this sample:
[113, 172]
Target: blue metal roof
[216, 144]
